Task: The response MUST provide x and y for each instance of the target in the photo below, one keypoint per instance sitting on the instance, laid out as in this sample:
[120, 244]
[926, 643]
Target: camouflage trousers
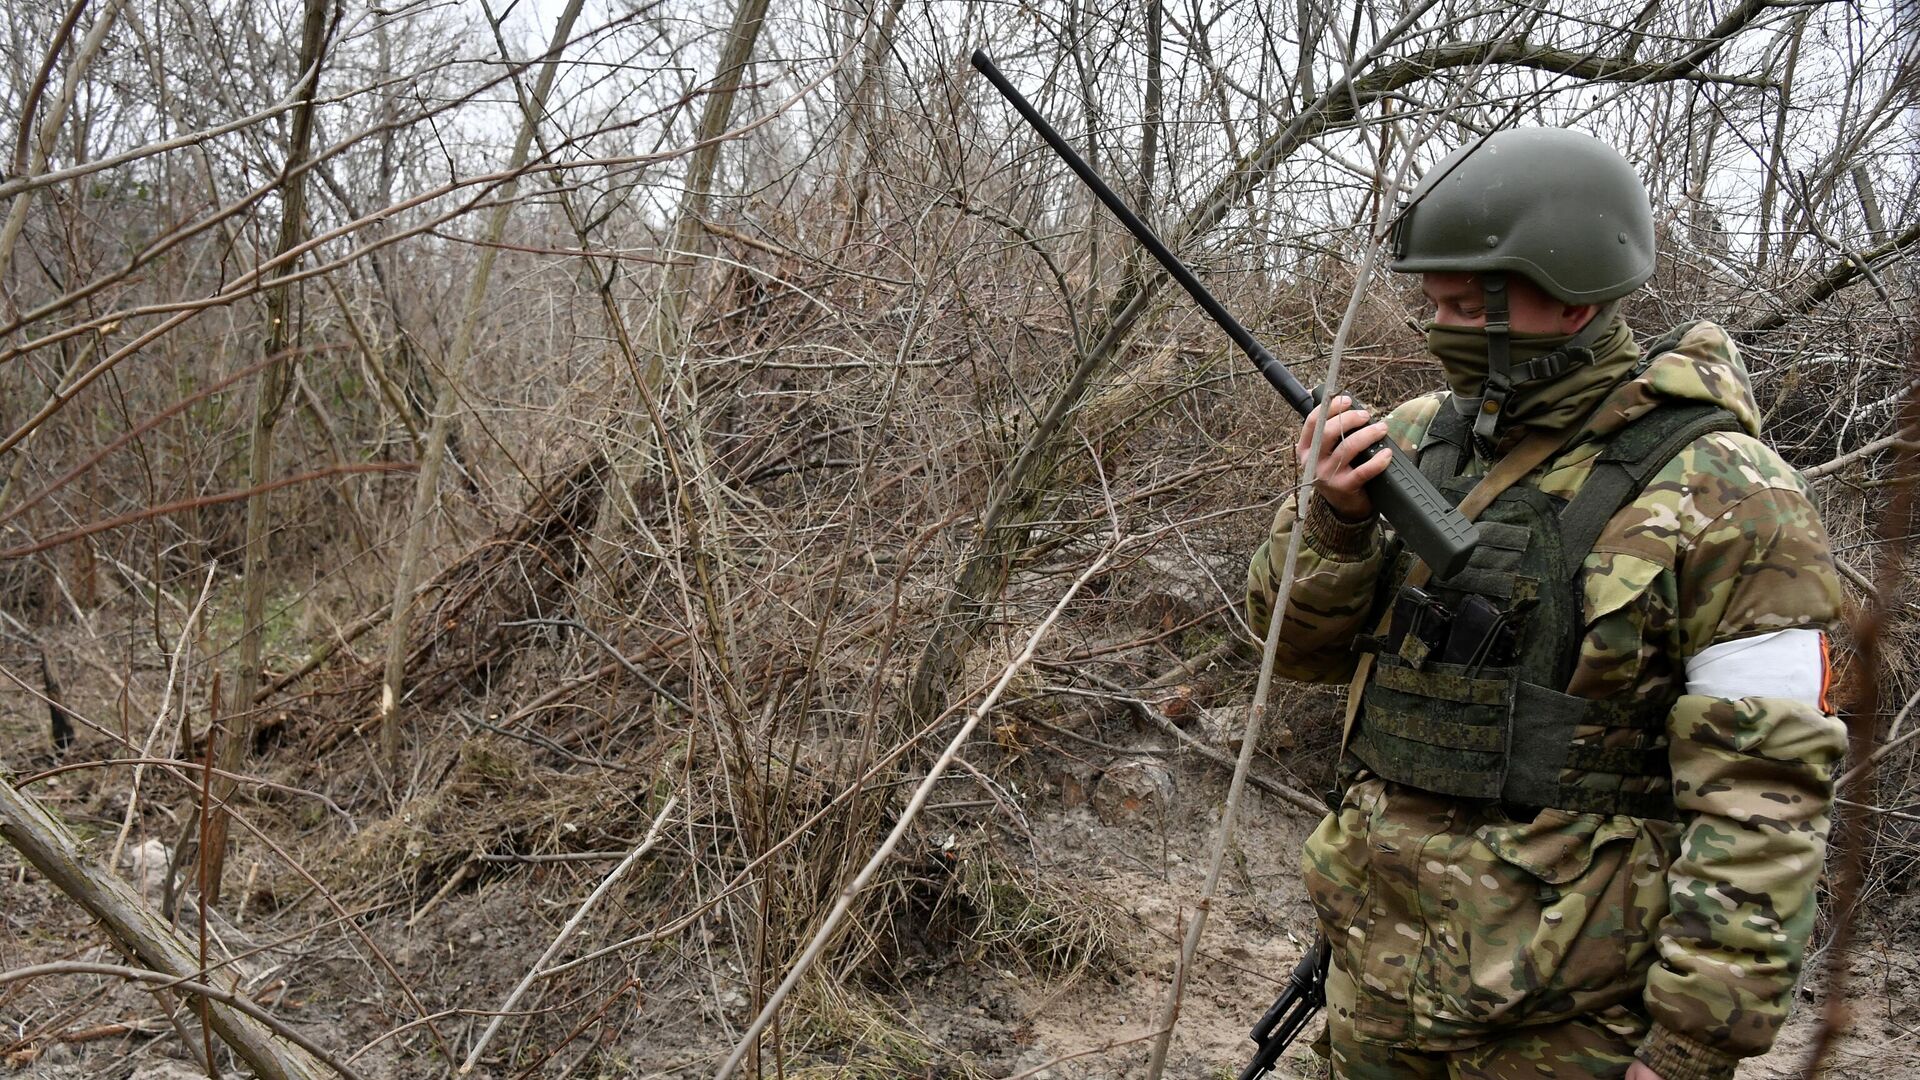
[1599, 1046]
[1458, 926]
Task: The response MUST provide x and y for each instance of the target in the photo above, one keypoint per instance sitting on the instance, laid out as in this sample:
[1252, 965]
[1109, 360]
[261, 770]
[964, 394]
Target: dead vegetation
[687, 477]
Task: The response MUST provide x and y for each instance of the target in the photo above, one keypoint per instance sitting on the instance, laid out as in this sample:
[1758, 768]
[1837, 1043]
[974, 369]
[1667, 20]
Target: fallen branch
[1852, 573]
[27, 1051]
[325, 650]
[1828, 468]
[1114, 691]
[44, 841]
[239, 1002]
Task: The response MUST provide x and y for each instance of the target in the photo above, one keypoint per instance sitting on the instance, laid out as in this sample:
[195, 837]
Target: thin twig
[861, 880]
[1899, 440]
[566, 932]
[202, 501]
[1895, 740]
[618, 656]
[194, 766]
[1141, 708]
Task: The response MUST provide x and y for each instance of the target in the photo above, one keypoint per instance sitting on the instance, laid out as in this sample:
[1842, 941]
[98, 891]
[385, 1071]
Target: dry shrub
[494, 800]
[1053, 927]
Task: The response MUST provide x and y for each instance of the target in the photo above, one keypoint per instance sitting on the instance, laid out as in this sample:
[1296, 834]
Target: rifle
[1433, 530]
[1305, 993]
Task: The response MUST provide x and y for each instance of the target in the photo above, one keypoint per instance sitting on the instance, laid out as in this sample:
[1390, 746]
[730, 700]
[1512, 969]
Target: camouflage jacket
[1453, 920]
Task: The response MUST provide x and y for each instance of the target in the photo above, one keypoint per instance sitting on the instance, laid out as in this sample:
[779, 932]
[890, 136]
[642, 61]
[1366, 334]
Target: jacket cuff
[1676, 1057]
[1335, 537]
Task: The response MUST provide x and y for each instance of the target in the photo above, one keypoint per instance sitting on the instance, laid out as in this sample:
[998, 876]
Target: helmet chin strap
[1493, 397]
[1502, 377]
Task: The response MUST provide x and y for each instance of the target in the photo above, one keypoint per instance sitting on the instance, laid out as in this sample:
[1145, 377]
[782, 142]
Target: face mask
[1462, 352]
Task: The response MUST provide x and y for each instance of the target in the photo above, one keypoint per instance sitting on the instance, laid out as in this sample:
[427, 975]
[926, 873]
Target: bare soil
[977, 1010]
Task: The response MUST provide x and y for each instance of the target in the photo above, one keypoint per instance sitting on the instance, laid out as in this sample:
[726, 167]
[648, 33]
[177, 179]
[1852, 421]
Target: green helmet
[1559, 207]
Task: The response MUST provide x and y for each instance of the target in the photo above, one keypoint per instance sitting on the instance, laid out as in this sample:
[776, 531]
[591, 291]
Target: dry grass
[1057, 929]
[846, 1033]
[766, 533]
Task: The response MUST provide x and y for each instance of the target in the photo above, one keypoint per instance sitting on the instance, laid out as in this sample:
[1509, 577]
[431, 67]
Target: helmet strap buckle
[1493, 401]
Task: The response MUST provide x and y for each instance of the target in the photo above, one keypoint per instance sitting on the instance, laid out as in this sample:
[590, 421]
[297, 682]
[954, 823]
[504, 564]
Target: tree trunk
[1770, 187]
[1869, 205]
[238, 733]
[1150, 124]
[434, 450]
[688, 235]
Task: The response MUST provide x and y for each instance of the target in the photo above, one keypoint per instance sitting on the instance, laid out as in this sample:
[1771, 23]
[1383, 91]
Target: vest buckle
[1419, 627]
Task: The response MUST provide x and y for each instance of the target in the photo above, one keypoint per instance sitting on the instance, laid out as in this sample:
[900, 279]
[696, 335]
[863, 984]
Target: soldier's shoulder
[1723, 484]
[1408, 423]
[1728, 467]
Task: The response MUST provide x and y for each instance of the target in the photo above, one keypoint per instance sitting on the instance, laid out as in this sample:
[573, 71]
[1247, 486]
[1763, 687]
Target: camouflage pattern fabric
[1456, 925]
[1600, 1046]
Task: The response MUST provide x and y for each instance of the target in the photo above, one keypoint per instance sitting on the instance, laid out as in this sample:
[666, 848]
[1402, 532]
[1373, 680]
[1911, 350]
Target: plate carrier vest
[1501, 728]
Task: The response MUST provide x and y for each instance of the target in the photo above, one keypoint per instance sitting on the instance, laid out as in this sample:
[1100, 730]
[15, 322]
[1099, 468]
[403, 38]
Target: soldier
[1586, 780]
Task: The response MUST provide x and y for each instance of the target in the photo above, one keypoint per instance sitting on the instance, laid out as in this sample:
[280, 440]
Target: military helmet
[1560, 207]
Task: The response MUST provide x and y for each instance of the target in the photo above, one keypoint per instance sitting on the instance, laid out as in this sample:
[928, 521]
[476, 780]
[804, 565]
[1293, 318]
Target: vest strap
[1460, 689]
[1443, 449]
[1493, 398]
[1485, 738]
[1628, 464]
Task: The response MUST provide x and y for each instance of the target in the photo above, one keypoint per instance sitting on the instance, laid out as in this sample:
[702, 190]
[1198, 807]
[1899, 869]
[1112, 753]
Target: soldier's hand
[1639, 1071]
[1336, 478]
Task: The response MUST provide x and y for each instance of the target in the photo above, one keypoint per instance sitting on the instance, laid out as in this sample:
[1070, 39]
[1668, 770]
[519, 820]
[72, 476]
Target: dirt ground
[979, 1012]
[1153, 871]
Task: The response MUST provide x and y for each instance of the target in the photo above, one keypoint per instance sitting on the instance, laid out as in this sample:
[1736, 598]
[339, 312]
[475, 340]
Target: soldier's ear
[1575, 317]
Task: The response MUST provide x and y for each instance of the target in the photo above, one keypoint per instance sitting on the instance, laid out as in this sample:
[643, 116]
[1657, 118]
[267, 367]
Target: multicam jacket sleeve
[1339, 567]
[1721, 554]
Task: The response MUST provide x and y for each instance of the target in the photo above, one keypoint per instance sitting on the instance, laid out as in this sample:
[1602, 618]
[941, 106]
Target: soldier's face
[1459, 301]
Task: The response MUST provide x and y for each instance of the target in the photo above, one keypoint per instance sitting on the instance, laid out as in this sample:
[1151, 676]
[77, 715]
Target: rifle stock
[1305, 993]
[1432, 529]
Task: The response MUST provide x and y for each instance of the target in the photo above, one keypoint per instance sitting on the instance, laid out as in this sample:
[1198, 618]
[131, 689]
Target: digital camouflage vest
[1465, 698]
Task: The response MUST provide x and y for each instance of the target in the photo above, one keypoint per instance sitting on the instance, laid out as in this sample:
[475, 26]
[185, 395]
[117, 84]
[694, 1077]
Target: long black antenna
[1274, 371]
[1430, 525]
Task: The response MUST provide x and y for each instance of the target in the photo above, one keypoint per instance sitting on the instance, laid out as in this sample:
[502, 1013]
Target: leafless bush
[744, 424]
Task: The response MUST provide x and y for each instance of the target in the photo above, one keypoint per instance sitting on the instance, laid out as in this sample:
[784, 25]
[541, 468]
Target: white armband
[1784, 664]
